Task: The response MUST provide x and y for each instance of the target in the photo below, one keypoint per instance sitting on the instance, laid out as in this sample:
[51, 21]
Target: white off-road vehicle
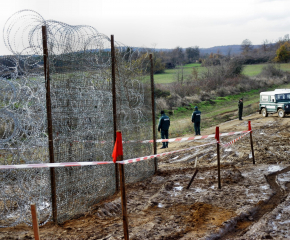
[275, 101]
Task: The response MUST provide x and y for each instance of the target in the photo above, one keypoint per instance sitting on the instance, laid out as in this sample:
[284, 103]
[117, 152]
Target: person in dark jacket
[240, 105]
[163, 126]
[195, 118]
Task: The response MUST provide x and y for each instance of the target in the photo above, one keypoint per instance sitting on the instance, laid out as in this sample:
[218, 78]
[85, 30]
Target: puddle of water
[176, 190]
[274, 168]
[265, 187]
[200, 178]
[228, 150]
[199, 190]
[284, 222]
[286, 209]
[283, 178]
[183, 159]
[274, 226]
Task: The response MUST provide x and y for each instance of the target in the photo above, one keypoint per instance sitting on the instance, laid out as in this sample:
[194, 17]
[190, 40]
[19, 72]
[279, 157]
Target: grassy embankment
[217, 110]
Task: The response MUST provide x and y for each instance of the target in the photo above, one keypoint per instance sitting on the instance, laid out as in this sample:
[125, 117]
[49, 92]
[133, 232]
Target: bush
[161, 93]
[161, 104]
[211, 62]
[234, 68]
[271, 70]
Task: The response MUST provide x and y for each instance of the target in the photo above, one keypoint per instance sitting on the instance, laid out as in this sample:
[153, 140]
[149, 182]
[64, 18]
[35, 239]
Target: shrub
[271, 70]
[161, 104]
[161, 93]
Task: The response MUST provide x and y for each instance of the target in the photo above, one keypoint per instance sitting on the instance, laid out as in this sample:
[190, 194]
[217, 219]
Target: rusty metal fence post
[153, 112]
[113, 66]
[49, 122]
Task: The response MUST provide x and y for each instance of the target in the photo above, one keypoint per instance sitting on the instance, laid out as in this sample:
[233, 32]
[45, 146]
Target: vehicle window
[279, 96]
[283, 96]
[264, 98]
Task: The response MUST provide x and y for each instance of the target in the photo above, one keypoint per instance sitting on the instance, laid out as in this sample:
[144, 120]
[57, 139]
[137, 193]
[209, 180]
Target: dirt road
[253, 202]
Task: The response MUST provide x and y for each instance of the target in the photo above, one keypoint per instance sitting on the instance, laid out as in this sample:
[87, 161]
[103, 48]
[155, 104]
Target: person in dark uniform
[163, 126]
[240, 105]
[195, 118]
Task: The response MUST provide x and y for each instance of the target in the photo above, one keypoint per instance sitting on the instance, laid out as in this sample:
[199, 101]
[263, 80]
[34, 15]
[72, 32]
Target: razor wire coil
[79, 63]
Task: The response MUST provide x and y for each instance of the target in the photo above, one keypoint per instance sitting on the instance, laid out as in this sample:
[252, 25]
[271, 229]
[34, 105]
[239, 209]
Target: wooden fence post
[49, 122]
[217, 134]
[113, 61]
[153, 112]
[123, 189]
[251, 140]
[35, 222]
[188, 186]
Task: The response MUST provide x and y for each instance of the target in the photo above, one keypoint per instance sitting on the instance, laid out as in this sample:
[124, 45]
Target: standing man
[240, 105]
[164, 123]
[195, 118]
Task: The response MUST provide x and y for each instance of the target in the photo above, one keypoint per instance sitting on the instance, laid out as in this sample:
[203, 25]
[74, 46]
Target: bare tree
[177, 56]
[246, 46]
[265, 45]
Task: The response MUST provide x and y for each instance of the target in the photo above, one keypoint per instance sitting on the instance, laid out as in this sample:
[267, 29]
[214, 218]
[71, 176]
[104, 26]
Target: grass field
[255, 69]
[170, 74]
[250, 70]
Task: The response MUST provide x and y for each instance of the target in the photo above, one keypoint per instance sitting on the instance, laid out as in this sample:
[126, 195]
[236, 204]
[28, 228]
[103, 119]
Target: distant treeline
[247, 53]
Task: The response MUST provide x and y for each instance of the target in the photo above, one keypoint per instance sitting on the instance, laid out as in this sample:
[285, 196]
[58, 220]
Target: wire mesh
[79, 61]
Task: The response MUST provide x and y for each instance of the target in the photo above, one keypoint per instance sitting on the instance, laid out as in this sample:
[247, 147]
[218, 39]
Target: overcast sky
[166, 23]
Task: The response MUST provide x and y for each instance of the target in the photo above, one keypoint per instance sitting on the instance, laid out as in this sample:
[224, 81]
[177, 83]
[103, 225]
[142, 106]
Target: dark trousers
[164, 135]
[197, 128]
[240, 114]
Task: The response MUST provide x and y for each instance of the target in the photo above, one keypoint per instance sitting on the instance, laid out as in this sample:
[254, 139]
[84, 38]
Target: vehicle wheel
[264, 112]
[281, 113]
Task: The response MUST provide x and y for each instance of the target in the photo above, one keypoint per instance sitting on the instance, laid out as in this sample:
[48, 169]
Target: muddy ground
[253, 202]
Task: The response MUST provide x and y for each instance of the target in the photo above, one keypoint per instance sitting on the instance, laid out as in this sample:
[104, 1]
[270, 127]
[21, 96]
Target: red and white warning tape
[195, 137]
[169, 140]
[49, 165]
[233, 141]
[77, 164]
[161, 154]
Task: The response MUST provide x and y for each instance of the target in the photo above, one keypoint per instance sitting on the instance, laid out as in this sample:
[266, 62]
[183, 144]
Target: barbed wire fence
[79, 70]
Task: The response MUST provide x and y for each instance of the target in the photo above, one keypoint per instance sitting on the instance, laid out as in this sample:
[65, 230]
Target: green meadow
[170, 75]
[255, 69]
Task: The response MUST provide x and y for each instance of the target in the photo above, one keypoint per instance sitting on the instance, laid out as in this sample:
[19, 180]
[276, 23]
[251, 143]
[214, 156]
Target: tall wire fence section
[78, 68]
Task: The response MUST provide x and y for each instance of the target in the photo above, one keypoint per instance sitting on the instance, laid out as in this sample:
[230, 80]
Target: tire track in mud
[279, 196]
